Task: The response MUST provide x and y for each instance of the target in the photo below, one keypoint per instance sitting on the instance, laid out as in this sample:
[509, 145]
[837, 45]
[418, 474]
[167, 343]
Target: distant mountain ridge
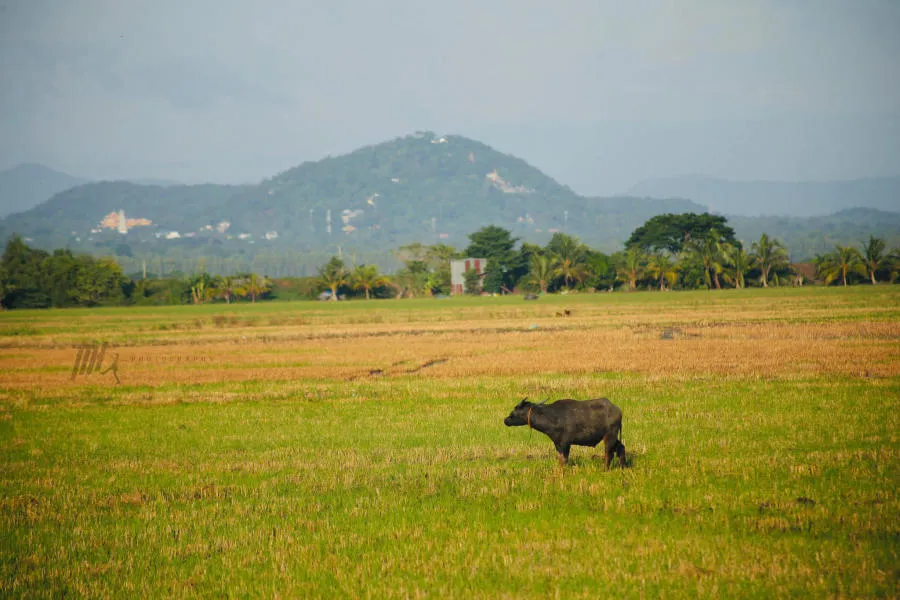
[27, 185]
[776, 198]
[417, 188]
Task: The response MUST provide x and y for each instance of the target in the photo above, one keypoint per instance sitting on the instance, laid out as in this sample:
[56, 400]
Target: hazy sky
[597, 94]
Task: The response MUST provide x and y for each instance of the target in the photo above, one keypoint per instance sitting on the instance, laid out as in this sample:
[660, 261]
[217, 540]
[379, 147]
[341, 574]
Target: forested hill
[418, 188]
[421, 187]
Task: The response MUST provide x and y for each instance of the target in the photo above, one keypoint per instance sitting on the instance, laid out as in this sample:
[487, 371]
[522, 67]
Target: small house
[458, 268]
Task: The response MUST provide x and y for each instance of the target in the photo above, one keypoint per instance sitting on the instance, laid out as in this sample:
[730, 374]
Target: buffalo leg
[620, 452]
[611, 441]
[563, 452]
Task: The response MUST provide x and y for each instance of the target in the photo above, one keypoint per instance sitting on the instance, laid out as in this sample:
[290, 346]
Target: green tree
[874, 257]
[601, 270]
[25, 275]
[769, 256]
[737, 262]
[60, 273]
[4, 285]
[504, 264]
[472, 282]
[707, 251]
[631, 266]
[367, 277]
[98, 281]
[202, 287]
[438, 259]
[569, 257]
[893, 264]
[227, 288]
[569, 270]
[542, 271]
[333, 275]
[255, 286]
[844, 261]
[663, 270]
[672, 232]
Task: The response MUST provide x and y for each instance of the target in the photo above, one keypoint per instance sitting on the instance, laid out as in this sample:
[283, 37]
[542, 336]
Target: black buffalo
[573, 422]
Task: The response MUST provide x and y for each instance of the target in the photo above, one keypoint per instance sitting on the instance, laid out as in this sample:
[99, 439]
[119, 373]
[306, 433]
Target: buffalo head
[520, 415]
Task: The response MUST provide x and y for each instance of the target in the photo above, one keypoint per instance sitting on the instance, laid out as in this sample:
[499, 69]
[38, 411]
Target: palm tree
[737, 263]
[894, 264]
[570, 270]
[228, 287]
[333, 275]
[840, 263]
[569, 256]
[874, 257]
[663, 269]
[769, 255]
[631, 267]
[708, 252]
[367, 277]
[541, 272]
[255, 286]
[203, 288]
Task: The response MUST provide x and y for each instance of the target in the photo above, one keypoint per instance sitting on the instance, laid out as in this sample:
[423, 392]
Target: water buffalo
[573, 422]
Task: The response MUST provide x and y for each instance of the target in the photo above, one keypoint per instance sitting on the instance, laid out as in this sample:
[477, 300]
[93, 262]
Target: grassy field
[357, 449]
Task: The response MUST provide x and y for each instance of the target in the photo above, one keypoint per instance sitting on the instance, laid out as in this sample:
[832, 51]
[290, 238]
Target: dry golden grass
[864, 349]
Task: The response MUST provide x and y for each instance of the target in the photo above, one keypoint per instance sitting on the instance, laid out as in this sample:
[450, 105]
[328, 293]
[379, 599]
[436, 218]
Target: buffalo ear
[524, 401]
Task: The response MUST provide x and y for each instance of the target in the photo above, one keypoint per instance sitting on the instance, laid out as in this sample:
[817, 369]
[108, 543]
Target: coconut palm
[663, 270]
[894, 264]
[631, 266]
[367, 277]
[874, 257]
[769, 255]
[570, 271]
[541, 271]
[227, 288]
[569, 256]
[255, 286]
[736, 262]
[203, 287]
[840, 263]
[707, 251]
[333, 275]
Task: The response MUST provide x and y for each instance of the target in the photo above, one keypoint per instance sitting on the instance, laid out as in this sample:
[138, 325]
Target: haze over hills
[776, 198]
[27, 185]
[417, 188]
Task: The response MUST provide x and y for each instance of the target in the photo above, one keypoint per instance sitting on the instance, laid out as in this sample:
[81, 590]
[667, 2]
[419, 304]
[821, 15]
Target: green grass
[411, 486]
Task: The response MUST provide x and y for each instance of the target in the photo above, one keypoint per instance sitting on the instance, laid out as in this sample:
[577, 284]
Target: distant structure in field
[458, 269]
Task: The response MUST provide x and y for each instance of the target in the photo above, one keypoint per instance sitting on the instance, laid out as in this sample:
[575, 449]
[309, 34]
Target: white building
[458, 269]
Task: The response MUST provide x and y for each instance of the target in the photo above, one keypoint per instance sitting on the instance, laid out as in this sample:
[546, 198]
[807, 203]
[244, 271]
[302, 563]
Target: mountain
[421, 187]
[25, 186]
[365, 204]
[756, 198]
[807, 237]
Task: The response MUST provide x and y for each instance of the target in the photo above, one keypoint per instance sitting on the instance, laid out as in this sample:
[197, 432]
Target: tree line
[34, 278]
[667, 252]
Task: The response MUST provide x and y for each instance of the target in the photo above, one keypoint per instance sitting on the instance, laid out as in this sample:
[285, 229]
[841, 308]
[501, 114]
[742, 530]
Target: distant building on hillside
[458, 269]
